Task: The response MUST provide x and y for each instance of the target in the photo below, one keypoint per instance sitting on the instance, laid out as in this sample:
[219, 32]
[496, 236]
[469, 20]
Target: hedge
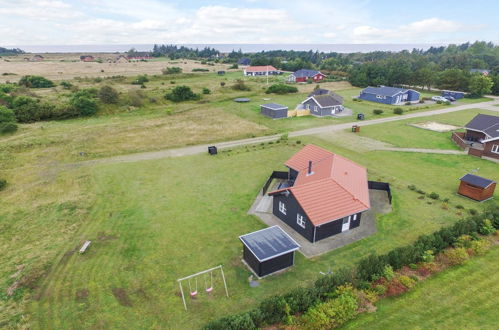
[274, 309]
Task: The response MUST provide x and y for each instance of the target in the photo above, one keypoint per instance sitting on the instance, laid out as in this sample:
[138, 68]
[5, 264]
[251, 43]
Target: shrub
[398, 111]
[171, 70]
[377, 111]
[6, 115]
[28, 109]
[140, 80]
[388, 272]
[200, 70]
[459, 207]
[181, 93]
[3, 184]
[480, 247]
[473, 211]
[422, 192]
[413, 266]
[456, 256]
[380, 289]
[428, 256]
[66, 84]
[463, 241]
[9, 127]
[486, 228]
[281, 89]
[222, 83]
[108, 95]
[273, 309]
[136, 98]
[334, 312]
[411, 187]
[434, 195]
[370, 267]
[239, 85]
[35, 82]
[234, 66]
[406, 281]
[206, 90]
[84, 105]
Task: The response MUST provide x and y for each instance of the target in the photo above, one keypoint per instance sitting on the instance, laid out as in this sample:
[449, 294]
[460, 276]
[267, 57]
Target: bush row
[277, 309]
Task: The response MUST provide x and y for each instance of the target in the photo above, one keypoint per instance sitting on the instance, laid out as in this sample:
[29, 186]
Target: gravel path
[373, 144]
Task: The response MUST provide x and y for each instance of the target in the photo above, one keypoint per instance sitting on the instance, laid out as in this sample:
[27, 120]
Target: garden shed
[268, 250]
[274, 110]
[476, 187]
[455, 94]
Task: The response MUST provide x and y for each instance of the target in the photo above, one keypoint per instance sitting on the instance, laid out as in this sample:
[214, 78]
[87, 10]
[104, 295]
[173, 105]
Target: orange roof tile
[336, 188]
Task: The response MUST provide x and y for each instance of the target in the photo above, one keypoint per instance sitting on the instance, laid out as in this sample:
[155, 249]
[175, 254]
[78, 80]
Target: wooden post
[225, 284]
[183, 298]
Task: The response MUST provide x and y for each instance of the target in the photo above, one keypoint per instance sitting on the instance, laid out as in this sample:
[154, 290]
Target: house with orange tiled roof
[325, 194]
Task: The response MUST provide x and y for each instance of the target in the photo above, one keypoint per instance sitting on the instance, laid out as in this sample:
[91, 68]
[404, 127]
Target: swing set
[193, 288]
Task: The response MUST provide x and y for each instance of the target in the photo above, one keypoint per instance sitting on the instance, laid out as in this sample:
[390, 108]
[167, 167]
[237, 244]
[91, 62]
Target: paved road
[185, 151]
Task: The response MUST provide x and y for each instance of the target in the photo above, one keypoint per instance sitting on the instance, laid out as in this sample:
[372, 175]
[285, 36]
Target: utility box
[212, 150]
[355, 128]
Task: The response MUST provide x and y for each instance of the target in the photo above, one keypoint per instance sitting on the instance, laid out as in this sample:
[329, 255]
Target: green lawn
[154, 221]
[402, 134]
[458, 298]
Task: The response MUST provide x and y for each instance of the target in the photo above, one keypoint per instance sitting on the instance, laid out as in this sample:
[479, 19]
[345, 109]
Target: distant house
[481, 71]
[455, 94]
[244, 61]
[36, 58]
[389, 95]
[87, 58]
[476, 187]
[261, 70]
[303, 75]
[139, 56]
[322, 102]
[268, 250]
[481, 137]
[274, 110]
[325, 194]
[121, 59]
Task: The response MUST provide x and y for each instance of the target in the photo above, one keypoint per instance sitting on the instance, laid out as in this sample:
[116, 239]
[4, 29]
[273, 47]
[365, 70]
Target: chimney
[309, 172]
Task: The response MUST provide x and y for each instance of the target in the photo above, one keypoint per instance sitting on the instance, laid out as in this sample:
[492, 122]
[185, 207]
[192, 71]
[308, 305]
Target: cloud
[430, 29]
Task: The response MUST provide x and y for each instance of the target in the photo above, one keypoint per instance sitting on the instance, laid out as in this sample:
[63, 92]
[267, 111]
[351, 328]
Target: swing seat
[209, 289]
[194, 293]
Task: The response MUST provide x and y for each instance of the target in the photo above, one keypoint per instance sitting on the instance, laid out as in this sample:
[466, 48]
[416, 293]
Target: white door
[346, 224]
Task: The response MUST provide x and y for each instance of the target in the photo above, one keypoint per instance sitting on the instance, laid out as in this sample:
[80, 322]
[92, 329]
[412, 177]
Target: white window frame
[282, 207]
[495, 148]
[315, 108]
[354, 217]
[300, 221]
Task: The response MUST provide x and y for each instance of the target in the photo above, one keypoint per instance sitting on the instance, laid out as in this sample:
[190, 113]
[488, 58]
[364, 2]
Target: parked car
[449, 98]
[439, 98]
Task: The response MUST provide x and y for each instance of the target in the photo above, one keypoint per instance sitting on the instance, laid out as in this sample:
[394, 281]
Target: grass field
[464, 297]
[154, 221]
[402, 134]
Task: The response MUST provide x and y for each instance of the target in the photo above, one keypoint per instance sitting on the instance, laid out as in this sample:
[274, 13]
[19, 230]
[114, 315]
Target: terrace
[460, 139]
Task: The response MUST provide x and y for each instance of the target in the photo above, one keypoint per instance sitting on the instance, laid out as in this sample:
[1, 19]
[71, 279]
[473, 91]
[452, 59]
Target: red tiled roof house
[325, 194]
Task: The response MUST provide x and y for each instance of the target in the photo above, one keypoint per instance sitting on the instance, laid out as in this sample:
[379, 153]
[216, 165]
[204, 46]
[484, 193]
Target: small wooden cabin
[268, 250]
[476, 187]
[274, 110]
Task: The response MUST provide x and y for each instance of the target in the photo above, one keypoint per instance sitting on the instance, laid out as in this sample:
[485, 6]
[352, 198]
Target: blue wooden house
[389, 95]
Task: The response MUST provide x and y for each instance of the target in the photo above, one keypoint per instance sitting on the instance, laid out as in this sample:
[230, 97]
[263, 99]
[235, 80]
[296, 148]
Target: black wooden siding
[334, 227]
[292, 208]
[269, 266]
[274, 114]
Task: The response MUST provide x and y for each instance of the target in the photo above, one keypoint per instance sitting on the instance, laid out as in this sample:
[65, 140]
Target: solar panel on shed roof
[268, 243]
[477, 180]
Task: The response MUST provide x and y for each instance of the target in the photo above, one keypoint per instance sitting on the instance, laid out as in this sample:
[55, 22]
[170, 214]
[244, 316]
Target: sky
[86, 22]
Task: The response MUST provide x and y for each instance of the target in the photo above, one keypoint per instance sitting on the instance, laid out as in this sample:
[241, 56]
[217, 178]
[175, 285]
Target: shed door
[346, 223]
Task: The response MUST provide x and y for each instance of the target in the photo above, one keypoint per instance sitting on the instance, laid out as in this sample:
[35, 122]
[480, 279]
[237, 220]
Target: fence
[376, 185]
[458, 138]
[274, 175]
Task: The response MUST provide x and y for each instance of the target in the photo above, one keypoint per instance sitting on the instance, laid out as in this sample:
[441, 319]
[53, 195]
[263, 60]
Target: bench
[85, 246]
